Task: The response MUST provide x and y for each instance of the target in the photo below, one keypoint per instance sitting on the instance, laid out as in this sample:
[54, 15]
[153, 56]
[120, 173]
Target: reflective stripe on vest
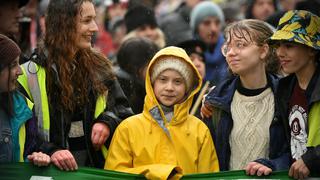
[37, 90]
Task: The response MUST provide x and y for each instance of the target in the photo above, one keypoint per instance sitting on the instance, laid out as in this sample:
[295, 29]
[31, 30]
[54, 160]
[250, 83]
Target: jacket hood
[181, 111]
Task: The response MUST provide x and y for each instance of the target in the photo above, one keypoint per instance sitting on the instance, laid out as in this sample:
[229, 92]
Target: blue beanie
[203, 10]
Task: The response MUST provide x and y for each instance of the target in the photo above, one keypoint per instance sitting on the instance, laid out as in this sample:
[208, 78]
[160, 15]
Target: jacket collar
[221, 96]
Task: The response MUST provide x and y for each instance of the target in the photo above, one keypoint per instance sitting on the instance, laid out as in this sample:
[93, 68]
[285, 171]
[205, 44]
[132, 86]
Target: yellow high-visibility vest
[33, 80]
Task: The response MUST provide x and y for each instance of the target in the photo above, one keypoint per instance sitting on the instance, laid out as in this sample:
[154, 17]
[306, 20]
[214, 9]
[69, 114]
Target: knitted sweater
[252, 116]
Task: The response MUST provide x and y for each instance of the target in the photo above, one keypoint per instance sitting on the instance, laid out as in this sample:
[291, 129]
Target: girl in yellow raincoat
[165, 141]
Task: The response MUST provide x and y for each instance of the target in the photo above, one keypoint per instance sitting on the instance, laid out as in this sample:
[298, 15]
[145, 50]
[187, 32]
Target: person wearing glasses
[241, 112]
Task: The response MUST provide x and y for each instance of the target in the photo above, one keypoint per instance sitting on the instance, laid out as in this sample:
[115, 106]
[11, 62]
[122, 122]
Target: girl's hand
[99, 135]
[64, 160]
[254, 168]
[206, 111]
[39, 159]
[299, 170]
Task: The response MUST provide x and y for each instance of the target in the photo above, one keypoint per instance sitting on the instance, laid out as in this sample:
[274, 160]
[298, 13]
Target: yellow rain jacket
[141, 146]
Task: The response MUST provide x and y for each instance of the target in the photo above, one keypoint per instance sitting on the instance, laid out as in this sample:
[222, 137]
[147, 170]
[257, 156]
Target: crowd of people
[161, 88]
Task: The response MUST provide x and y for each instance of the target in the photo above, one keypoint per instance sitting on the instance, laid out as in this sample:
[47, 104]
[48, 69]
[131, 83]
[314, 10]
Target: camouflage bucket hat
[298, 26]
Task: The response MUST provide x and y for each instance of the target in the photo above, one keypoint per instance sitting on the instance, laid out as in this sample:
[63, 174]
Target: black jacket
[133, 88]
[285, 89]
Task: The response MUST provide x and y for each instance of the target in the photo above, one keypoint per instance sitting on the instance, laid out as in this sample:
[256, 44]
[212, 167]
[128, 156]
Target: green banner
[236, 175]
[24, 171]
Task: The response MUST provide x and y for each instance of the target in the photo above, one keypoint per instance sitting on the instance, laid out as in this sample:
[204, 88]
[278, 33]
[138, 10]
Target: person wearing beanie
[297, 44]
[206, 22]
[203, 10]
[175, 64]
[147, 143]
[9, 52]
[15, 115]
[140, 21]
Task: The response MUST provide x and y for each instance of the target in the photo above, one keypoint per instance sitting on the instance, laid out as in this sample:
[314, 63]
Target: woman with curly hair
[77, 97]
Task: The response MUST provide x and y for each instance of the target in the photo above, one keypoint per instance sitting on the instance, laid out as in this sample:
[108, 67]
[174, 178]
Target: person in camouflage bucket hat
[297, 44]
[299, 26]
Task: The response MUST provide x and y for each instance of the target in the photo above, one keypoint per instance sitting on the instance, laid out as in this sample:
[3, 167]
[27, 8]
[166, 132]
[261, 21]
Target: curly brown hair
[258, 32]
[79, 70]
